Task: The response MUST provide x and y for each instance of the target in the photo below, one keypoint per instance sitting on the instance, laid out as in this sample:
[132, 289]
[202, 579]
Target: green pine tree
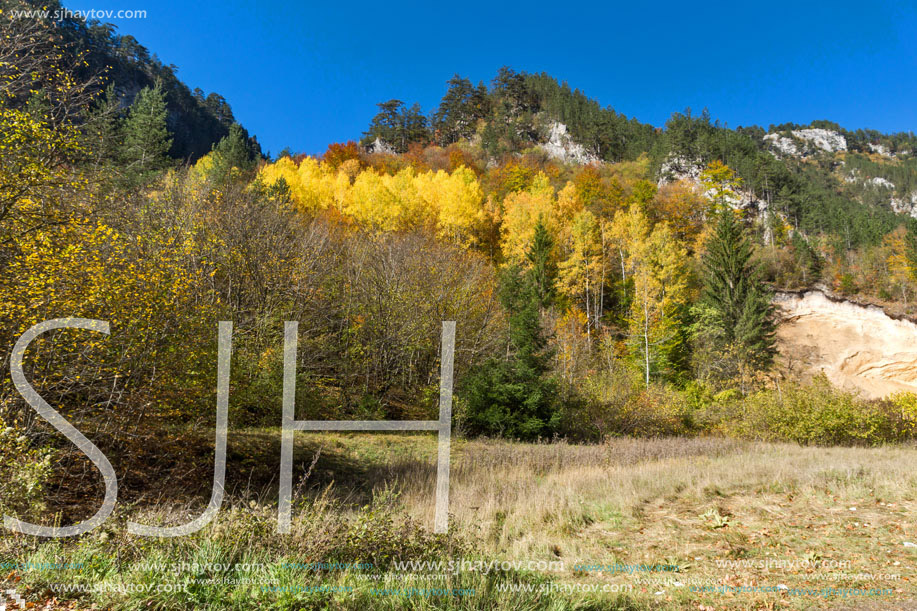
[398, 126]
[739, 324]
[102, 128]
[145, 135]
[232, 154]
[459, 111]
[543, 268]
[414, 126]
[515, 397]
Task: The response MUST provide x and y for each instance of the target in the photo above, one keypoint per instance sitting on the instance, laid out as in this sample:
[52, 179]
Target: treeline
[860, 140]
[510, 116]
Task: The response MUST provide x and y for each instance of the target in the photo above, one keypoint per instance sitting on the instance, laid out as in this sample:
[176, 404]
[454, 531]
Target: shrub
[24, 471]
[811, 414]
[503, 399]
[618, 403]
[906, 404]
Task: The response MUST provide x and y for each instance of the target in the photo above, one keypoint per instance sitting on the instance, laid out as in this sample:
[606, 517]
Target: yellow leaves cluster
[721, 185]
[656, 261]
[901, 271]
[202, 168]
[680, 204]
[30, 154]
[897, 260]
[450, 203]
[93, 271]
[144, 287]
[907, 403]
[580, 272]
[313, 185]
[521, 212]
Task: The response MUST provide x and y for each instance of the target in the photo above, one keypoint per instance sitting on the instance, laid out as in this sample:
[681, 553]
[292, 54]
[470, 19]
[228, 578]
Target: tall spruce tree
[232, 153]
[146, 140]
[515, 397]
[740, 316]
[543, 268]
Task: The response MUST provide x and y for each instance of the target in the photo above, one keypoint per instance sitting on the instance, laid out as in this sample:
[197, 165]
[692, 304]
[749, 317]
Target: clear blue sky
[305, 74]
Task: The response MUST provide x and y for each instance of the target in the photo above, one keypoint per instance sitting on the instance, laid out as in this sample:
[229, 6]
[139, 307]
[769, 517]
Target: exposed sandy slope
[859, 348]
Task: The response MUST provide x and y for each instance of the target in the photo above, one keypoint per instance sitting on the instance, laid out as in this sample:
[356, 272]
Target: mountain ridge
[804, 173]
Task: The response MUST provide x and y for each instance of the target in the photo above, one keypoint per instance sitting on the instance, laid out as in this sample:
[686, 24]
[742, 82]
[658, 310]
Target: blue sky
[305, 74]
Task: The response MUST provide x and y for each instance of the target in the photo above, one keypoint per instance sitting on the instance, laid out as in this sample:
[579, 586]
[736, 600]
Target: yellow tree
[569, 204]
[680, 205]
[450, 203]
[901, 271]
[313, 185]
[627, 226]
[721, 185]
[521, 212]
[370, 202]
[35, 169]
[581, 273]
[457, 201]
[656, 262]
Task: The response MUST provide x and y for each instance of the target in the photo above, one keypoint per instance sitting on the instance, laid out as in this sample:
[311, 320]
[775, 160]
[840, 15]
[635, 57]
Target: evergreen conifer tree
[543, 268]
[232, 152]
[145, 135]
[515, 397]
[740, 315]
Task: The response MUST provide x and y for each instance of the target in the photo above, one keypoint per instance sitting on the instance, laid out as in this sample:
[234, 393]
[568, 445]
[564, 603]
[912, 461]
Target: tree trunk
[646, 336]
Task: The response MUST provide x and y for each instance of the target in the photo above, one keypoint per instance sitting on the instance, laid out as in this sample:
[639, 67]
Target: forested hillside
[96, 54]
[808, 187]
[653, 248]
[833, 193]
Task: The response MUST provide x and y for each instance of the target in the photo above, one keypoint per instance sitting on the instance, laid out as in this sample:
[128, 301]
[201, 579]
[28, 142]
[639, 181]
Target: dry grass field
[668, 523]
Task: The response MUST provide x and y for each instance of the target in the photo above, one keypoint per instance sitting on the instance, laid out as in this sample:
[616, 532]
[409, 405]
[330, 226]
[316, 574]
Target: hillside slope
[196, 121]
[819, 178]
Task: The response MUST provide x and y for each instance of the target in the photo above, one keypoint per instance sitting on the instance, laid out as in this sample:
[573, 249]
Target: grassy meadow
[628, 524]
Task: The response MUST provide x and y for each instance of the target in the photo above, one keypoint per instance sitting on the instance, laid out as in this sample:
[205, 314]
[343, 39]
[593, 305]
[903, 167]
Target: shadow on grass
[181, 472]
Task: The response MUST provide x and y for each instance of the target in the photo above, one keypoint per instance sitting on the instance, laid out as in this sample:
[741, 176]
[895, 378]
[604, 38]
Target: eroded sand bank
[860, 348]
